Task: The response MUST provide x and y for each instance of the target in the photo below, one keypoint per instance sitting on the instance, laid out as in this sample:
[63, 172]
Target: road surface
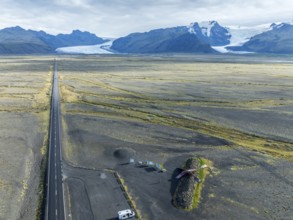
[55, 206]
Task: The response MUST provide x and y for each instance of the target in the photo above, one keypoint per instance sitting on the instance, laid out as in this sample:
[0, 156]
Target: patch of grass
[198, 187]
[43, 179]
[25, 182]
[4, 185]
[67, 146]
[45, 117]
[243, 167]
[242, 205]
[129, 197]
[239, 138]
[122, 93]
[188, 192]
[67, 95]
[211, 195]
[69, 202]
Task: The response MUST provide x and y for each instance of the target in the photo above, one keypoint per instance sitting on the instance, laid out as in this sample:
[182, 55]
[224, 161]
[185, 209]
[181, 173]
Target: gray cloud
[120, 17]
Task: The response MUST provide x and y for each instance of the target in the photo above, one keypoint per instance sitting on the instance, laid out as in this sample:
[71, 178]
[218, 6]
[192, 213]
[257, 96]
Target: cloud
[120, 17]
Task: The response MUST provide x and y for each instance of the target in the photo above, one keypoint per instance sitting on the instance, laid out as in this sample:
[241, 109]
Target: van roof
[123, 212]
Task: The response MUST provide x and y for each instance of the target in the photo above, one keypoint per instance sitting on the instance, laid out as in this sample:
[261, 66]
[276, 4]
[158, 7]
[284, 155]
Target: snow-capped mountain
[211, 36]
[220, 37]
[240, 35]
[278, 38]
[167, 40]
[265, 38]
[198, 37]
[211, 32]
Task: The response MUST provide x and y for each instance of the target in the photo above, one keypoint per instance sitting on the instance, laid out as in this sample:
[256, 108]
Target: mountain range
[268, 38]
[278, 39]
[16, 40]
[169, 40]
[203, 37]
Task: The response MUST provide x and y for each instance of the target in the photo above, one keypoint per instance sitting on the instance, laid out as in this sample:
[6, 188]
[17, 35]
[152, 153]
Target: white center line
[56, 212]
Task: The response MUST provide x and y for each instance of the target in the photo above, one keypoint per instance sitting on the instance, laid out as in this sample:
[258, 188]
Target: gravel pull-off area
[183, 197]
[93, 194]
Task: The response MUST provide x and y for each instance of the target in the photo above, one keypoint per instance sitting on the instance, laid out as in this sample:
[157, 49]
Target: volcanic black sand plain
[234, 112]
[25, 85]
[237, 115]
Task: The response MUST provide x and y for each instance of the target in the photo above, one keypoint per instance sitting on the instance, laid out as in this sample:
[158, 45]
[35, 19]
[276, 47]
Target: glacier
[90, 49]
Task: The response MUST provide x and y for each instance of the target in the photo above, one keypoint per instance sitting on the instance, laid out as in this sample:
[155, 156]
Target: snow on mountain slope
[210, 32]
[239, 34]
[242, 34]
[91, 49]
[206, 27]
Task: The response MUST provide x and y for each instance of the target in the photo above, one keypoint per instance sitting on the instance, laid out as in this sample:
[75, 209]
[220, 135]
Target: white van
[125, 214]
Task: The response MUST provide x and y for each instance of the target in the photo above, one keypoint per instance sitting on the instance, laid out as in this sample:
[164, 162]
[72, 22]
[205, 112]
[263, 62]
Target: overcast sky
[114, 18]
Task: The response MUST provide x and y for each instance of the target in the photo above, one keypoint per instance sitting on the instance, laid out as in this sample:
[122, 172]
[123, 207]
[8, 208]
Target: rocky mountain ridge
[198, 37]
[16, 40]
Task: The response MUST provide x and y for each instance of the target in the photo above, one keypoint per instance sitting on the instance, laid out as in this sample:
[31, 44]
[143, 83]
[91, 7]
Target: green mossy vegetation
[198, 187]
[188, 192]
[128, 196]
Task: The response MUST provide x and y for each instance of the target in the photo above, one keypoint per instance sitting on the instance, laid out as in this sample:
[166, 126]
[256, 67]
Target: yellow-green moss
[129, 197]
[201, 174]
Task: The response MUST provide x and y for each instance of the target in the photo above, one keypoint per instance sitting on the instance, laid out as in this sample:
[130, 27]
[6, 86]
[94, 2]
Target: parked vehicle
[125, 214]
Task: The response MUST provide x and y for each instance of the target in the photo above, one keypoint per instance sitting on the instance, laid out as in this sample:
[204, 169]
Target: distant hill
[169, 40]
[79, 38]
[16, 40]
[278, 39]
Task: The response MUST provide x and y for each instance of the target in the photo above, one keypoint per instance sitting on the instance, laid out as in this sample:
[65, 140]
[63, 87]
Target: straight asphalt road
[55, 205]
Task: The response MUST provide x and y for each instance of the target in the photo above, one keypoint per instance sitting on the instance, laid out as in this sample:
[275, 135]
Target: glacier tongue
[91, 49]
[242, 34]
